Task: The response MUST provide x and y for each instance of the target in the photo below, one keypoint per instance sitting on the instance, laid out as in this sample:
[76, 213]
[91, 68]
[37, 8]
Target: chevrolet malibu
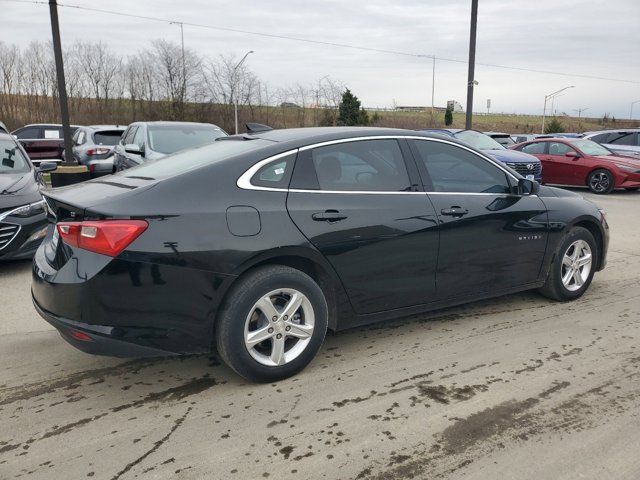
[257, 244]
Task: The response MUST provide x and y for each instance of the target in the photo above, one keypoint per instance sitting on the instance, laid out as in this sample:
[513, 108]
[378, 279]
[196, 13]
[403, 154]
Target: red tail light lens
[107, 237]
[98, 151]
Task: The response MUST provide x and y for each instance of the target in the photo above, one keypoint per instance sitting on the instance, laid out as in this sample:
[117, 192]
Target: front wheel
[272, 323]
[601, 181]
[573, 266]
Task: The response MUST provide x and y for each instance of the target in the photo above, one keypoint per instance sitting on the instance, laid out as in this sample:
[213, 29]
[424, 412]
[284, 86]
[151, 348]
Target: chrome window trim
[244, 181]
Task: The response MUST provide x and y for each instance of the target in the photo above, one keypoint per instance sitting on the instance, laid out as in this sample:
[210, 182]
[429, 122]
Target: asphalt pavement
[516, 387]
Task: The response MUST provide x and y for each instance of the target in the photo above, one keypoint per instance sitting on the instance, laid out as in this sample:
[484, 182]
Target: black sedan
[257, 244]
[23, 222]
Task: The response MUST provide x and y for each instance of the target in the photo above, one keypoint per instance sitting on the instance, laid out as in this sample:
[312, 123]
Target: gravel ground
[515, 387]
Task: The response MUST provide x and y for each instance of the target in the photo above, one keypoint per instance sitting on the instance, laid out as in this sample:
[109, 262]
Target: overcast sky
[588, 37]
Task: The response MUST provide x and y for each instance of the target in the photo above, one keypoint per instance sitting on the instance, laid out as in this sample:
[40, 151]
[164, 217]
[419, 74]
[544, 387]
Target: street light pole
[235, 98]
[472, 63]
[547, 97]
[62, 89]
[433, 86]
[631, 110]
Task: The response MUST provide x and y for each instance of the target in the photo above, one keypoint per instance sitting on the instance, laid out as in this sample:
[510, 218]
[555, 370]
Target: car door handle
[328, 216]
[454, 211]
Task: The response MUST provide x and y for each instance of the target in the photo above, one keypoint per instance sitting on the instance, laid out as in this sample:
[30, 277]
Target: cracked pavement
[514, 387]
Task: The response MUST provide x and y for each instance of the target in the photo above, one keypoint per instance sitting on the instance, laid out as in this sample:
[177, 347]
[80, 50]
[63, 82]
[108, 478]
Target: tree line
[156, 83]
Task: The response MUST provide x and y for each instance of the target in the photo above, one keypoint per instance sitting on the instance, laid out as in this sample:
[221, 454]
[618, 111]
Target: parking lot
[515, 387]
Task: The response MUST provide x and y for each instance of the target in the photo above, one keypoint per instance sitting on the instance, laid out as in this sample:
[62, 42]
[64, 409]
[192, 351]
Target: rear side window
[365, 165]
[533, 148]
[622, 138]
[457, 170]
[601, 138]
[557, 148]
[275, 174]
[28, 133]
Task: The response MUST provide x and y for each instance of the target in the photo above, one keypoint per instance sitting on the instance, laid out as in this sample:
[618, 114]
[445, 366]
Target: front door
[490, 238]
[358, 203]
[570, 170]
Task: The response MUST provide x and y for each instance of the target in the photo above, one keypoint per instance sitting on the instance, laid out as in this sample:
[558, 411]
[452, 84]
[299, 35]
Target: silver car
[624, 141]
[93, 146]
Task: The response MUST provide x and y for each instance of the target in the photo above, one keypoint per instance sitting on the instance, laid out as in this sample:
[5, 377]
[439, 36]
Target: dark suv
[42, 142]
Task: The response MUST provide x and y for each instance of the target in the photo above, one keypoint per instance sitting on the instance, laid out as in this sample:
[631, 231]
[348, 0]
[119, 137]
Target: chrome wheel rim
[279, 327]
[576, 265]
[599, 182]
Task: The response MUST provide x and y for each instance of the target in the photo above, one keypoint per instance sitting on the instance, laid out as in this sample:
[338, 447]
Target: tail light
[107, 237]
[92, 167]
[98, 151]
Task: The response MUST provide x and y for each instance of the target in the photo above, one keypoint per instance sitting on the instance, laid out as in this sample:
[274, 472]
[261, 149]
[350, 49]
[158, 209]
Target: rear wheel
[272, 324]
[601, 181]
[573, 266]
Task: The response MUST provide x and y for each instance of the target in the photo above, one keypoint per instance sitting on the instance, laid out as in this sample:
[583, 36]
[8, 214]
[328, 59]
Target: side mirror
[47, 167]
[572, 154]
[134, 148]
[528, 187]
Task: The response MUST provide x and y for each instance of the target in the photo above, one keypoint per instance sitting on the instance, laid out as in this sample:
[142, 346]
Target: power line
[332, 44]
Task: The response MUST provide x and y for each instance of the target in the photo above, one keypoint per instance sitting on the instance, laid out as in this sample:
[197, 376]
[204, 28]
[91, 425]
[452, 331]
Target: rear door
[358, 202]
[490, 239]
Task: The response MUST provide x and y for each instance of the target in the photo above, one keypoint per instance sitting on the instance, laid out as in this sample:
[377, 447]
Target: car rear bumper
[98, 339]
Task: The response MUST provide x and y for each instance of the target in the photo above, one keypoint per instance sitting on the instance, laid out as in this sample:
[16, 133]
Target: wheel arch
[601, 167]
[596, 231]
[307, 261]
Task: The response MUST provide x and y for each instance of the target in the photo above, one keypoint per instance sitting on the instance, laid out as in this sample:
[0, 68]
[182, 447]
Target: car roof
[497, 133]
[613, 130]
[309, 135]
[46, 125]
[108, 127]
[163, 122]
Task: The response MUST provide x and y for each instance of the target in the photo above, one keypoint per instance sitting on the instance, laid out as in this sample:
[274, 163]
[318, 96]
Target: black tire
[601, 181]
[554, 288]
[239, 303]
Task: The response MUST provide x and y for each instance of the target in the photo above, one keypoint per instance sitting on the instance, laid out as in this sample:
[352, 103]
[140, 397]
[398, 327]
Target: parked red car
[575, 161]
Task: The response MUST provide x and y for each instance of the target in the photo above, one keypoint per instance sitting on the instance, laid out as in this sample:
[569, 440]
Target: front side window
[138, 138]
[128, 136]
[364, 165]
[533, 148]
[557, 148]
[457, 170]
[11, 158]
[591, 148]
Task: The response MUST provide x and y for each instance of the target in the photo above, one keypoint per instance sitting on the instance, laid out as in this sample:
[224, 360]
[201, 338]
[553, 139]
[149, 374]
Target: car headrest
[329, 170]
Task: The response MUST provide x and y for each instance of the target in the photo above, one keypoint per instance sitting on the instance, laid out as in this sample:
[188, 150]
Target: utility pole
[235, 81]
[631, 110]
[62, 89]
[472, 63]
[433, 86]
[580, 110]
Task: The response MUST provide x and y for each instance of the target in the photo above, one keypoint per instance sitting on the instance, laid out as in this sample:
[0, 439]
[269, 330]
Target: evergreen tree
[350, 112]
[448, 116]
[554, 126]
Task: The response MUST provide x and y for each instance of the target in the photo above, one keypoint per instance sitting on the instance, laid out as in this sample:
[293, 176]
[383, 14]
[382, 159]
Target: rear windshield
[193, 159]
[173, 138]
[13, 160]
[107, 137]
[478, 140]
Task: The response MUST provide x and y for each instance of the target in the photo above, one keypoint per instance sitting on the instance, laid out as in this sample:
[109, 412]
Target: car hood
[629, 161]
[18, 189]
[512, 156]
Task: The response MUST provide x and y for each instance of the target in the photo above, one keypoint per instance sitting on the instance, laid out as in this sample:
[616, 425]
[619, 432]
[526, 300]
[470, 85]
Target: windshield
[107, 137]
[591, 148]
[13, 161]
[173, 138]
[478, 140]
[192, 159]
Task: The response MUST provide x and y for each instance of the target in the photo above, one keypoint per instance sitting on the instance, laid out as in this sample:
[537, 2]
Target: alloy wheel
[279, 327]
[599, 182]
[576, 265]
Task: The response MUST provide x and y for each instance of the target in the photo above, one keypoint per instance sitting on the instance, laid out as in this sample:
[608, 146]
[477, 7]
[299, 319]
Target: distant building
[454, 105]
